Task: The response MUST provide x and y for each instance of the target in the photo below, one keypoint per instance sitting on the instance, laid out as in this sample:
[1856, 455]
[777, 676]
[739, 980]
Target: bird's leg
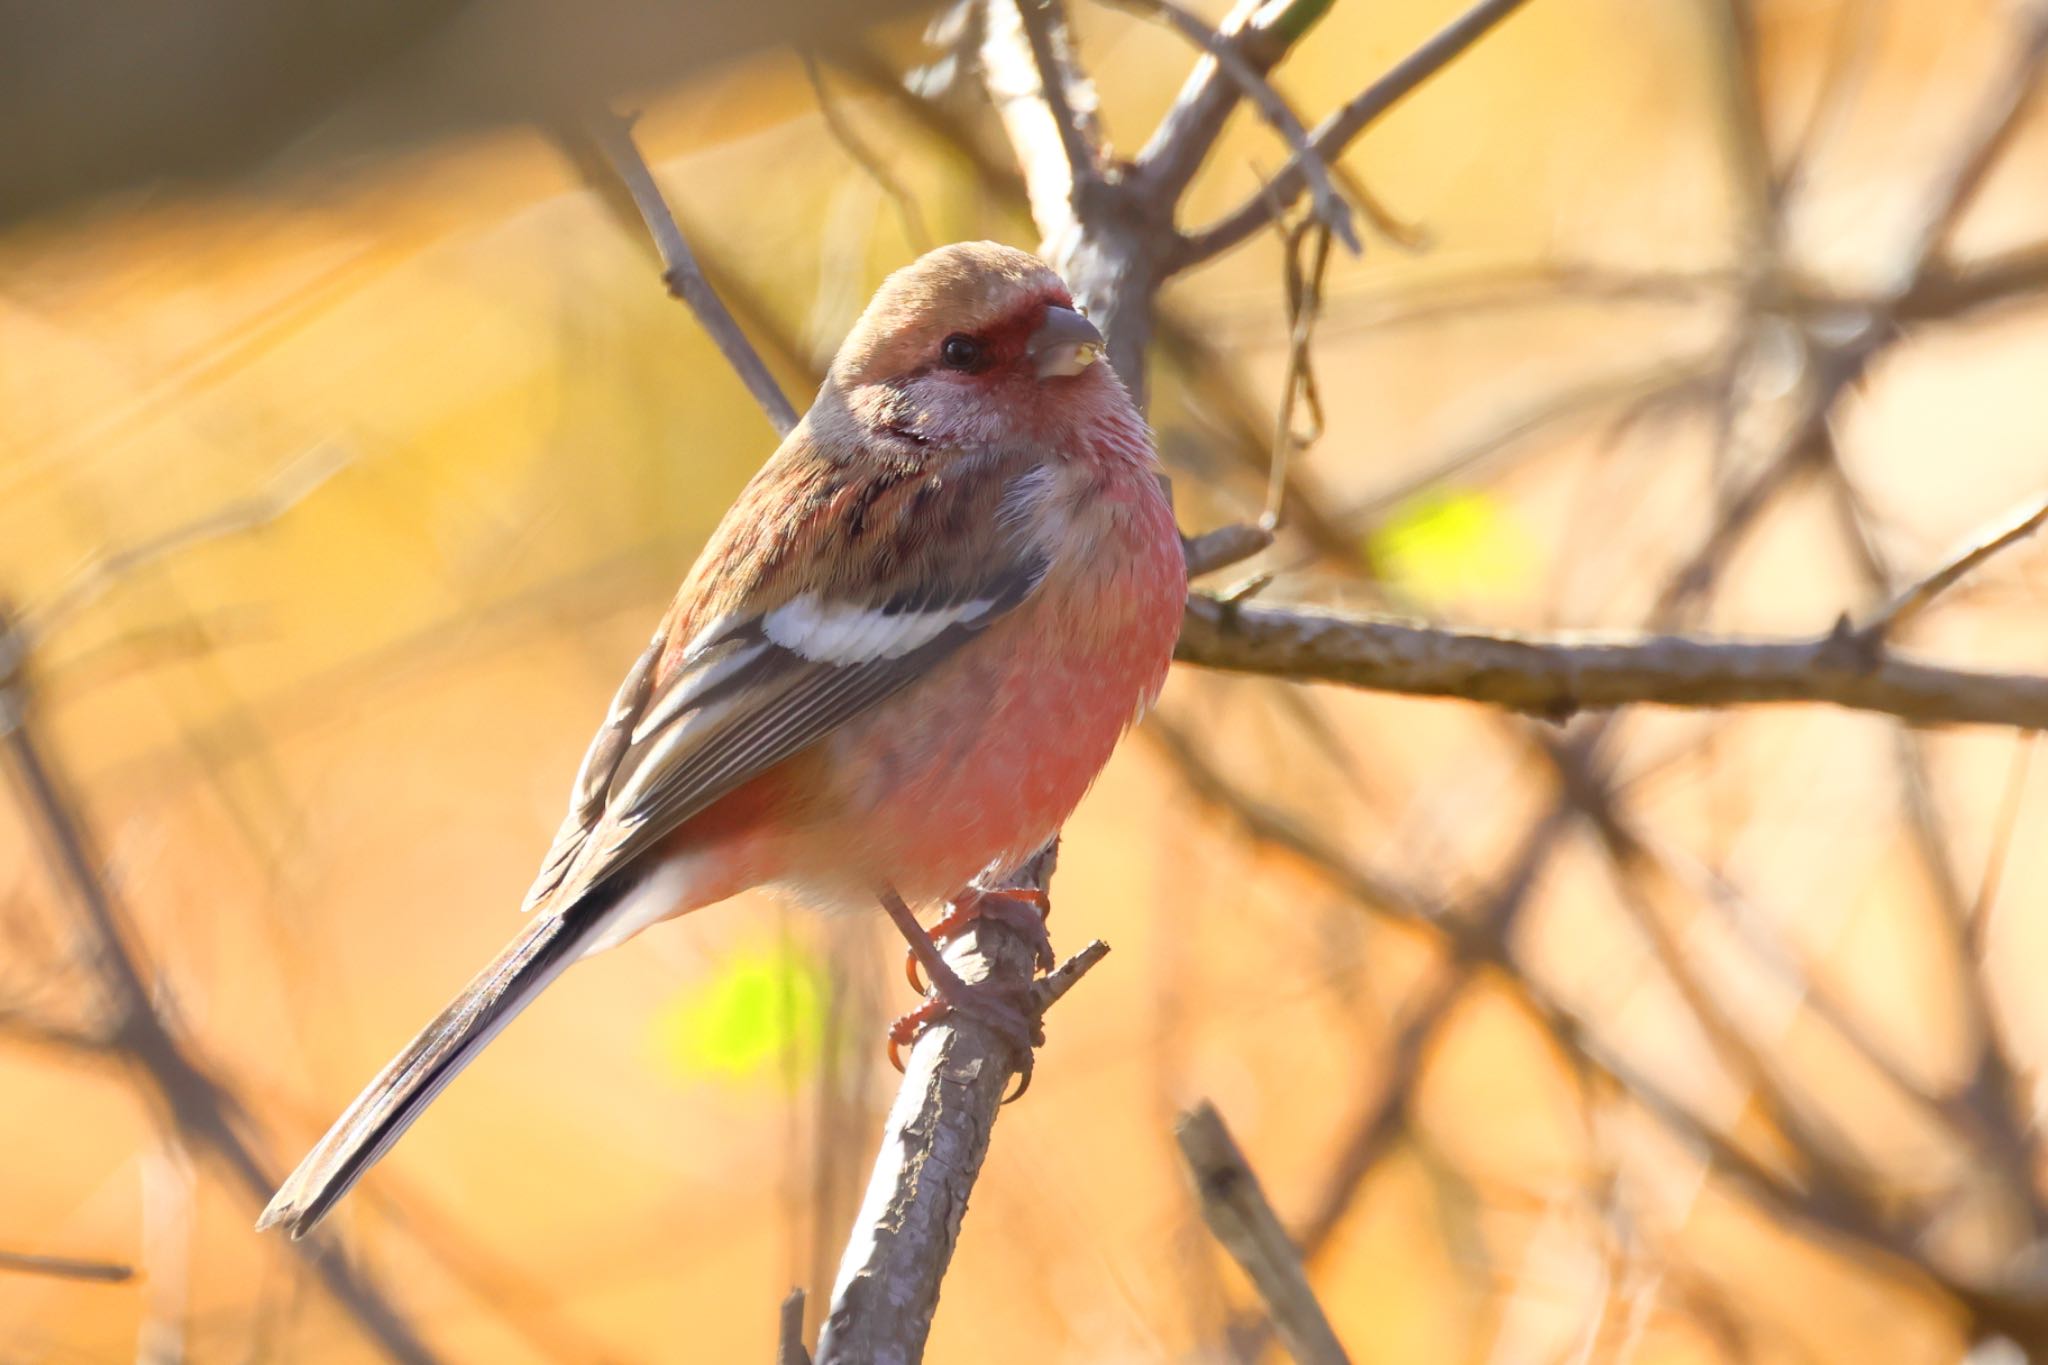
[999, 1007]
[1021, 909]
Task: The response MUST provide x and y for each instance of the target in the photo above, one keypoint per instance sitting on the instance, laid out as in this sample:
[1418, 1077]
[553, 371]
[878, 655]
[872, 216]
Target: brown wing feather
[715, 701]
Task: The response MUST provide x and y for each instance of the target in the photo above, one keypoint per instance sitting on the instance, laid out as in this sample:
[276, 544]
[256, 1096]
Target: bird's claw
[1023, 909]
[998, 1008]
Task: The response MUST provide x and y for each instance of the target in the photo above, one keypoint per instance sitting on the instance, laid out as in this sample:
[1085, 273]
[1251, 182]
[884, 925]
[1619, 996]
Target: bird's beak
[1065, 343]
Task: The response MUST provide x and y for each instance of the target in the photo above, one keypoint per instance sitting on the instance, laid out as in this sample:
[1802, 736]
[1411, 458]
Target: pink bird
[902, 658]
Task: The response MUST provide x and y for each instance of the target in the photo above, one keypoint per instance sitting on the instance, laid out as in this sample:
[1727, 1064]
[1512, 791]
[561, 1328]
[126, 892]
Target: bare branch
[612, 138]
[1236, 1211]
[1330, 205]
[1335, 133]
[1558, 675]
[1224, 546]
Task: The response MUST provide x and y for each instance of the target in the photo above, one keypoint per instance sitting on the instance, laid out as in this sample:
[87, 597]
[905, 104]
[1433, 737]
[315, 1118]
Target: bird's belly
[984, 765]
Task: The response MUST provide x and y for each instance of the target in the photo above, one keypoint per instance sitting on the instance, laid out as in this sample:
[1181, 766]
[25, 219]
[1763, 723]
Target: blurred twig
[612, 138]
[1236, 1210]
[66, 1268]
[864, 156]
[291, 486]
[1662, 380]
[1261, 33]
[203, 1112]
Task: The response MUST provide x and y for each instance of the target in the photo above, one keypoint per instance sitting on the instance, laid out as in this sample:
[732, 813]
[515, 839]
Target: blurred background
[349, 445]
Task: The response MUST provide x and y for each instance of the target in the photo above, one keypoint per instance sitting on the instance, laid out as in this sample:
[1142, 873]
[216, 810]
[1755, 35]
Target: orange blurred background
[461, 447]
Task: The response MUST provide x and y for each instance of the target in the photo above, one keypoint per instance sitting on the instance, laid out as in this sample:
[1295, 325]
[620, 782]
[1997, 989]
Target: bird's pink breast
[986, 759]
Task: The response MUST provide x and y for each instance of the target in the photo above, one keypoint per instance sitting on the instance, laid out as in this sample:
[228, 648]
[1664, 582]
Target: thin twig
[1304, 305]
[1914, 600]
[1330, 207]
[1236, 1210]
[1336, 132]
[612, 137]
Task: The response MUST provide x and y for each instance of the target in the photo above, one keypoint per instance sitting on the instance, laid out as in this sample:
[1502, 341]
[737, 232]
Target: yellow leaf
[1445, 545]
[760, 1015]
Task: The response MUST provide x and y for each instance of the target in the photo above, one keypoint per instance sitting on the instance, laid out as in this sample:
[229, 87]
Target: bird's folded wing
[751, 689]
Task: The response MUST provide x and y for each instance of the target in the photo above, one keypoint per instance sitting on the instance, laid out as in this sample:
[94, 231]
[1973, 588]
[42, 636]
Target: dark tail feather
[403, 1090]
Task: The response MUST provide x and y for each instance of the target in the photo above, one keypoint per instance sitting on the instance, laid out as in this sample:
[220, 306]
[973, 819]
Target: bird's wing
[710, 706]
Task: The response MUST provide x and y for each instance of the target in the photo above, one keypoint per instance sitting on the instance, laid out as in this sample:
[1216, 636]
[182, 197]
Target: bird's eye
[962, 352]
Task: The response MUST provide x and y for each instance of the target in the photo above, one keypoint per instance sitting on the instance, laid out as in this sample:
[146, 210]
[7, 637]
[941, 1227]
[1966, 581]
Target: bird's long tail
[403, 1090]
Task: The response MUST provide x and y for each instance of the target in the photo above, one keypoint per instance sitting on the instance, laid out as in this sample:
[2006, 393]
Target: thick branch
[1556, 676]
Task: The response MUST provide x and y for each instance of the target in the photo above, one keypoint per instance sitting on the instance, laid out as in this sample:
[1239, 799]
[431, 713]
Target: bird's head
[974, 346]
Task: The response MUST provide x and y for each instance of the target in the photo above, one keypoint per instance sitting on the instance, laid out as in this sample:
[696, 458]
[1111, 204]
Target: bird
[901, 658]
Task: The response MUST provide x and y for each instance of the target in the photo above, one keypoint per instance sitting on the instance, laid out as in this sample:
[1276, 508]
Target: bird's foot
[1005, 1010]
[1021, 909]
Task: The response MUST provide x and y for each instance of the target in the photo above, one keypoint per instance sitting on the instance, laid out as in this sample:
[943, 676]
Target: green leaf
[761, 1016]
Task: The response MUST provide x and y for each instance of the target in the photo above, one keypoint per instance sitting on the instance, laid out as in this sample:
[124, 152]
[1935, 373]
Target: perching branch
[933, 1144]
[789, 1331]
